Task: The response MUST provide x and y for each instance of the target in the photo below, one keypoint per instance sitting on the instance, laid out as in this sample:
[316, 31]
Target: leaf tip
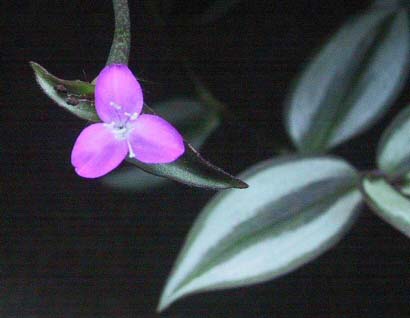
[240, 184]
[163, 304]
[35, 66]
[39, 71]
[160, 308]
[168, 297]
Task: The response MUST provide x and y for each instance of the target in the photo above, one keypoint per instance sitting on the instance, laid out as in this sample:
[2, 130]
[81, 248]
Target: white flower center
[120, 131]
[122, 128]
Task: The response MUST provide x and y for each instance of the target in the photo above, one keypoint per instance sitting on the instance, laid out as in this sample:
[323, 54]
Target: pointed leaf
[195, 122]
[191, 168]
[75, 96]
[294, 210]
[352, 82]
[393, 152]
[387, 202]
[132, 179]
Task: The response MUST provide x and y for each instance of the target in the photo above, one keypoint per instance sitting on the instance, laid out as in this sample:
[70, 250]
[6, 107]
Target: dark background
[71, 247]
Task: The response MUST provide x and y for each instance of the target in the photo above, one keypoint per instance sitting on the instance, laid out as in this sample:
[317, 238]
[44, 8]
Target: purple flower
[101, 147]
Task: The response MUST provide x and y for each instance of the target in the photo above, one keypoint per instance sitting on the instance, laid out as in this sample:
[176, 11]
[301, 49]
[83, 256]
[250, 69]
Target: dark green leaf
[76, 96]
[132, 179]
[191, 169]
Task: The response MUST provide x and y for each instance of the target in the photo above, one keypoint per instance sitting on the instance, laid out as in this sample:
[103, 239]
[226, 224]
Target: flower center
[121, 131]
[123, 126]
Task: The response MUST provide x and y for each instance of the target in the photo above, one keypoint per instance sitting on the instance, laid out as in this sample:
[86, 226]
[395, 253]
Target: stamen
[133, 116]
[115, 105]
[117, 108]
[131, 152]
[110, 125]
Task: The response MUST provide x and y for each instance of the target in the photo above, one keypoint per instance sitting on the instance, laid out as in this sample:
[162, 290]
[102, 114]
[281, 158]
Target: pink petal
[97, 151]
[154, 140]
[117, 92]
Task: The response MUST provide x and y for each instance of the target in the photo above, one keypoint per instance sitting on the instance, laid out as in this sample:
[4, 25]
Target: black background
[73, 248]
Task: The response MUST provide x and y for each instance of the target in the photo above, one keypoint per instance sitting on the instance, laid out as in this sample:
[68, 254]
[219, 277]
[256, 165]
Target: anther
[109, 125]
[131, 116]
[115, 105]
[131, 152]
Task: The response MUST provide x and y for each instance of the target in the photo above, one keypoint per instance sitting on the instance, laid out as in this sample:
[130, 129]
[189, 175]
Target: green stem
[120, 48]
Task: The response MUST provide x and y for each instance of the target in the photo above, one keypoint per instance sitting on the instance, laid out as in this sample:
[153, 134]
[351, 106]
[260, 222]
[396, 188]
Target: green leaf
[387, 202]
[351, 82]
[295, 209]
[77, 97]
[192, 169]
[193, 119]
[132, 179]
[393, 152]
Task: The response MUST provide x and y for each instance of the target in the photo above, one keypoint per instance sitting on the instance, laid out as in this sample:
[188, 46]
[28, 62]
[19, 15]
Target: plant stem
[121, 42]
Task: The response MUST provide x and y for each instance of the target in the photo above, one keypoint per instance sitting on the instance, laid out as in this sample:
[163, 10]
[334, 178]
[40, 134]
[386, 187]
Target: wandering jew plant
[298, 205]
